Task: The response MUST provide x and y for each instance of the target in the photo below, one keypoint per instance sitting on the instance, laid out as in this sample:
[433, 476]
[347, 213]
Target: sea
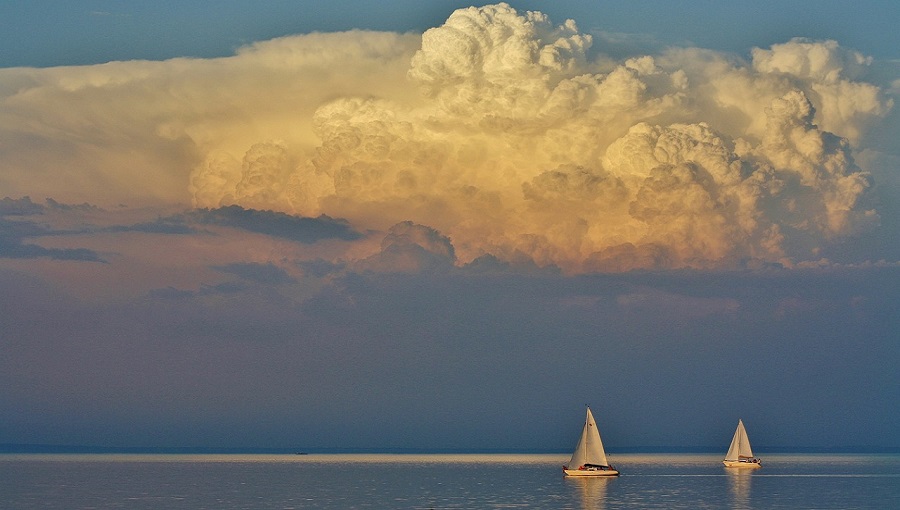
[442, 481]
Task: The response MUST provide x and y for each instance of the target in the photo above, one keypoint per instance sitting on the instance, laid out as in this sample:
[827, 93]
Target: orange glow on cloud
[496, 129]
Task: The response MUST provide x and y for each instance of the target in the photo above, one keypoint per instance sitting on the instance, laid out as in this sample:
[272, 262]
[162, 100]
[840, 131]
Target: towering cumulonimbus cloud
[508, 134]
[519, 146]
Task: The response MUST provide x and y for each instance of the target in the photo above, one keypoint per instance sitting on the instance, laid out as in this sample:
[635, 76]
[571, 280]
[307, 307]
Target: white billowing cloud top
[497, 130]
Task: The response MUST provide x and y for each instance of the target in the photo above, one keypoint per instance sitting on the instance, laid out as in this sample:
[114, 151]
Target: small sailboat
[589, 458]
[739, 453]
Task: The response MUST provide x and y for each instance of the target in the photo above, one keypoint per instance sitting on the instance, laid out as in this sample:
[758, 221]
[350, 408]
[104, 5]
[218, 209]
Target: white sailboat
[739, 453]
[589, 458]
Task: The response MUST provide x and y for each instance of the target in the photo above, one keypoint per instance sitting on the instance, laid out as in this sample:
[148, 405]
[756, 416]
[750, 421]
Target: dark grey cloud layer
[277, 224]
[18, 223]
[432, 354]
[259, 273]
[15, 231]
[460, 359]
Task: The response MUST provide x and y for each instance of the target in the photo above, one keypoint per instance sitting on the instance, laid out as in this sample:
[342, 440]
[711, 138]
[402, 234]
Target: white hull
[739, 464]
[591, 472]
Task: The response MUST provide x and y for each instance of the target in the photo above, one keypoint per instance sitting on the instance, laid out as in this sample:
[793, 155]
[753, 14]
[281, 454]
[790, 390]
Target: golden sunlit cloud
[496, 129]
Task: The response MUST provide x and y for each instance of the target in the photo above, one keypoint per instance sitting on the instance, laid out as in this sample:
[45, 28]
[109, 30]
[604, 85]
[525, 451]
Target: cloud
[828, 72]
[494, 48]
[397, 345]
[19, 207]
[483, 160]
[14, 233]
[661, 304]
[132, 132]
[411, 248]
[13, 248]
[169, 225]
[259, 273]
[277, 224]
[515, 137]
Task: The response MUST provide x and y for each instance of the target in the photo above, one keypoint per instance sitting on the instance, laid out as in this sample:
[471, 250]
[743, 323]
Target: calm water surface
[671, 481]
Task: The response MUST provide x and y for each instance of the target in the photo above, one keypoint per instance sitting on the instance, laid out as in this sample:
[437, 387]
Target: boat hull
[739, 464]
[591, 472]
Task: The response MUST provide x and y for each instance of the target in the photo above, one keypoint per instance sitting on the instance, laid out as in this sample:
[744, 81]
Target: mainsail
[740, 445]
[590, 448]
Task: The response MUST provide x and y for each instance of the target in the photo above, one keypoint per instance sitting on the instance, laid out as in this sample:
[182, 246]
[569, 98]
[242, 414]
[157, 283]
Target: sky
[445, 226]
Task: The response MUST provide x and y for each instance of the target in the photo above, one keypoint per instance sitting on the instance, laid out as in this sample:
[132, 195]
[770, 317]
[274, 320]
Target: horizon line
[17, 448]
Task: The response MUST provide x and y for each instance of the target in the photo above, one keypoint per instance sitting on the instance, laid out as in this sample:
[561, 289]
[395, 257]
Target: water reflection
[739, 488]
[591, 490]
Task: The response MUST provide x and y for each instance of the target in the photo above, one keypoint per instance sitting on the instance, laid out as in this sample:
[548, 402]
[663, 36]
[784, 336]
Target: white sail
[740, 445]
[589, 449]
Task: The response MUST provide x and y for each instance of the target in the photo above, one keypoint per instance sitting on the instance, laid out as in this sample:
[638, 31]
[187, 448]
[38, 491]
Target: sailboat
[589, 458]
[739, 453]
